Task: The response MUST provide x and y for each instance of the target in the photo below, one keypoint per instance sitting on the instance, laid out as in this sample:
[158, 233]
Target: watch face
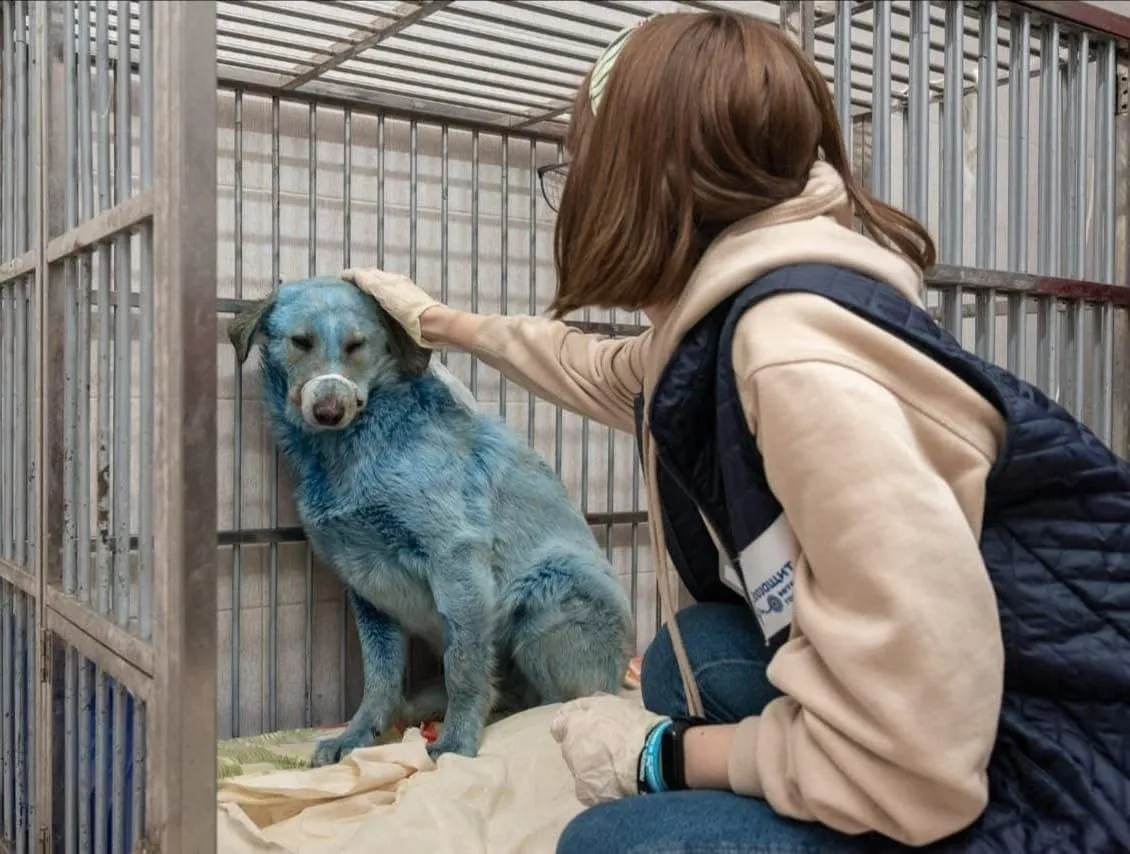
[673, 763]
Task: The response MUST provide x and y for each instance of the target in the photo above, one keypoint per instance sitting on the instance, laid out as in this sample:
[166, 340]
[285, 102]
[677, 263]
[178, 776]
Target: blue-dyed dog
[441, 523]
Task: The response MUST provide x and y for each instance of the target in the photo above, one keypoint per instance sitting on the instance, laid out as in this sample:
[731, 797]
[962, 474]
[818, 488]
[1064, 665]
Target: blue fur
[442, 524]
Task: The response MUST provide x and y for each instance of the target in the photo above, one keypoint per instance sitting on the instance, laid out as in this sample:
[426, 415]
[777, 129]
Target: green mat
[272, 751]
[285, 750]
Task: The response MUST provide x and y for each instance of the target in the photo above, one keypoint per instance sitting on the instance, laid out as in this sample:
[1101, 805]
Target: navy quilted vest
[1056, 541]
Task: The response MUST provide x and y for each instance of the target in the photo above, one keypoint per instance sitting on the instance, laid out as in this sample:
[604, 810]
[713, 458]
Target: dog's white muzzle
[331, 401]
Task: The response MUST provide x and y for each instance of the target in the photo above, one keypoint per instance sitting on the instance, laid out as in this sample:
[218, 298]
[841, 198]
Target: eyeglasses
[552, 180]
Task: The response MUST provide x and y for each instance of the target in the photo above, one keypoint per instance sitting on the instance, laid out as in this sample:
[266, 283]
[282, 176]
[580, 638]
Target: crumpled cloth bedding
[515, 797]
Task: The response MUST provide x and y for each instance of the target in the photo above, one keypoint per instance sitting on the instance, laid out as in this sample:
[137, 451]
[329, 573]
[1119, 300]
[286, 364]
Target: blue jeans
[728, 655]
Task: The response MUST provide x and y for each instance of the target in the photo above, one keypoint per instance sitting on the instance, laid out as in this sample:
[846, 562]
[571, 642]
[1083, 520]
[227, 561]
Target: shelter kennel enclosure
[161, 163]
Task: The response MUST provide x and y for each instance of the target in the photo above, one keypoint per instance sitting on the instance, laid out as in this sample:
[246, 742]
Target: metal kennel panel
[108, 385]
[404, 135]
[997, 124]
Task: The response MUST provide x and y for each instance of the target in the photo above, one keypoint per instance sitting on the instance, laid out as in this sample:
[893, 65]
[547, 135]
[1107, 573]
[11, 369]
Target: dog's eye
[302, 342]
[353, 346]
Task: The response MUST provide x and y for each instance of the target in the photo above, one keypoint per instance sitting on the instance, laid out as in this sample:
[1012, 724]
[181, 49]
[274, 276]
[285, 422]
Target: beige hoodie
[892, 672]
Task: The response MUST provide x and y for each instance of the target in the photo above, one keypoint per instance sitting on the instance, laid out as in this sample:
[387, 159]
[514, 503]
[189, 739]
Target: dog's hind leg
[382, 659]
[465, 602]
[572, 627]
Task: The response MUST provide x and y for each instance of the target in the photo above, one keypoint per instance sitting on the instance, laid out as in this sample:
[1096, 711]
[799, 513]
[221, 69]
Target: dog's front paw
[332, 750]
[464, 745]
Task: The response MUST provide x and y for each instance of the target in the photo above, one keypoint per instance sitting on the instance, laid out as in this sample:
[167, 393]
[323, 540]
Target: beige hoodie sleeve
[893, 672]
[588, 374]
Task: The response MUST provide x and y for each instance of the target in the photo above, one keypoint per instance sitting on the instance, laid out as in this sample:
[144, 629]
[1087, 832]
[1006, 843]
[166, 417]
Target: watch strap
[672, 756]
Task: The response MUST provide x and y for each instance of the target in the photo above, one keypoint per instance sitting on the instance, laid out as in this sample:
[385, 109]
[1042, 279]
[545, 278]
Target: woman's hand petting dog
[398, 295]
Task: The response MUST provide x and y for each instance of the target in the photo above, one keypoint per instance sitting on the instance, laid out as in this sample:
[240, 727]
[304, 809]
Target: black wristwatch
[671, 750]
[671, 772]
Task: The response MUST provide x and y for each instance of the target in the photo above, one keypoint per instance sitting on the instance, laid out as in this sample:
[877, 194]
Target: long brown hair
[705, 119]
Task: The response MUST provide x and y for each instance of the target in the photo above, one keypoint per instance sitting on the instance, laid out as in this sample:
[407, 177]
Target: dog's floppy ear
[412, 358]
[243, 328]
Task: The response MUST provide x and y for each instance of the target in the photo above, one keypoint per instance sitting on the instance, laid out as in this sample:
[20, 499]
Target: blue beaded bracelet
[651, 764]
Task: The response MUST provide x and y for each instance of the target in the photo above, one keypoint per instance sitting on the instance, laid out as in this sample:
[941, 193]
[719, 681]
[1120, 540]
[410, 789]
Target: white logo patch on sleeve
[767, 564]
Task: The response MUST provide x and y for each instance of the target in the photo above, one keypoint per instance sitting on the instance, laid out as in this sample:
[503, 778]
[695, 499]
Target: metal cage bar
[181, 730]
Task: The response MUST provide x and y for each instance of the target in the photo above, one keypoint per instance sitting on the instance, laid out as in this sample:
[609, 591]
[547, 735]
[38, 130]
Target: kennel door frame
[171, 672]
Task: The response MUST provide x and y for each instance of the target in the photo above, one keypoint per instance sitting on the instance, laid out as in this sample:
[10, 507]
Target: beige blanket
[514, 798]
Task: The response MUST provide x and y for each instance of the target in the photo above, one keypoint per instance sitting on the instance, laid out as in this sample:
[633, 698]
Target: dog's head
[331, 343]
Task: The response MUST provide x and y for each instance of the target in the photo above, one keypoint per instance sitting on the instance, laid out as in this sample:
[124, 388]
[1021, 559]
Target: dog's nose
[329, 411]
